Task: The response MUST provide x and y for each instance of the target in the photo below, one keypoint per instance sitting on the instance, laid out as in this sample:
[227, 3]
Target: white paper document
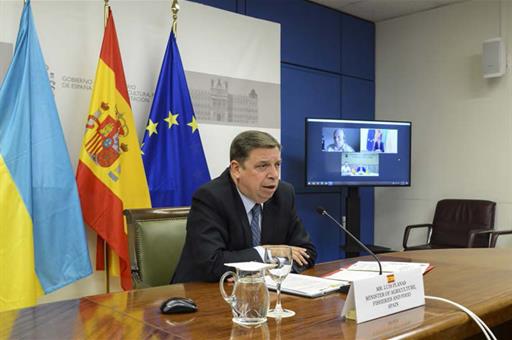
[351, 275]
[364, 269]
[305, 285]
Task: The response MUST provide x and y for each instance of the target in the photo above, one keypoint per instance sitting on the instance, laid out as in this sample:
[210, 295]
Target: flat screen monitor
[357, 153]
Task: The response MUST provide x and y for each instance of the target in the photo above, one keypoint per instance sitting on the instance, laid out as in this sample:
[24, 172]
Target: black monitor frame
[360, 182]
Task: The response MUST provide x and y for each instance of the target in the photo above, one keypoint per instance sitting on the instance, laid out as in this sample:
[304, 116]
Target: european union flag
[171, 150]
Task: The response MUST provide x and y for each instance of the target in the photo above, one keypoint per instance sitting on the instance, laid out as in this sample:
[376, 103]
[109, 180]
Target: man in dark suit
[233, 217]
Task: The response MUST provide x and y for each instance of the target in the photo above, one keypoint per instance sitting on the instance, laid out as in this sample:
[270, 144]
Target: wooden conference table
[480, 279]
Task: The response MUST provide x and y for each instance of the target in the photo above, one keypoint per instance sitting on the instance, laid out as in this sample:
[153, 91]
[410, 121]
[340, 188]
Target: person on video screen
[375, 141]
[339, 144]
[346, 170]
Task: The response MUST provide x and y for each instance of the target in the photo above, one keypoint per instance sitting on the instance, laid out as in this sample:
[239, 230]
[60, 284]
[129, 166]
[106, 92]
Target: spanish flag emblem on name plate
[390, 278]
[110, 172]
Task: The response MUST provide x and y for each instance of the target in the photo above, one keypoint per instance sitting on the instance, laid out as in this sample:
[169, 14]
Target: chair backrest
[454, 218]
[155, 240]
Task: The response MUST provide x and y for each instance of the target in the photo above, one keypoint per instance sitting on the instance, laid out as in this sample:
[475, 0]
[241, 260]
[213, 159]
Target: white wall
[428, 71]
[5, 58]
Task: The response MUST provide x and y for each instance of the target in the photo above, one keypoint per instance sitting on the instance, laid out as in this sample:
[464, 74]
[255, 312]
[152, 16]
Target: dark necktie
[255, 225]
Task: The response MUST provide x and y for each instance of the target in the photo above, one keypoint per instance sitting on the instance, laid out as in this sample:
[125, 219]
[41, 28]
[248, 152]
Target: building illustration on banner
[234, 101]
[216, 99]
[219, 105]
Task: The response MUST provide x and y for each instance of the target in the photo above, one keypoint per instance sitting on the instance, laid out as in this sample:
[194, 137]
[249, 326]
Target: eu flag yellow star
[172, 119]
[193, 124]
[151, 128]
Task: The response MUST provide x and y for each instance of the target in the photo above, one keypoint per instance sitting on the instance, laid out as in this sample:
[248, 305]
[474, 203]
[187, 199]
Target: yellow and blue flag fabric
[173, 155]
[42, 239]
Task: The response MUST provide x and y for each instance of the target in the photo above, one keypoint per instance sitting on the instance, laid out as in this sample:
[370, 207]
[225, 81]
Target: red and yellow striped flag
[110, 173]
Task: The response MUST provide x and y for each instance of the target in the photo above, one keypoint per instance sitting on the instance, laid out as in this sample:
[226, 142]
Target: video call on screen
[355, 152]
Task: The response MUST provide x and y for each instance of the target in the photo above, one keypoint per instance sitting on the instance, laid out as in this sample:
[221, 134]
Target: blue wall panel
[241, 6]
[358, 46]
[366, 214]
[358, 98]
[310, 34]
[358, 102]
[324, 233]
[304, 93]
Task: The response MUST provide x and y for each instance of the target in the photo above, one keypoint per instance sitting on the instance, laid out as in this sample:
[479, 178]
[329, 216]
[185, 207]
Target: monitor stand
[352, 206]
[353, 212]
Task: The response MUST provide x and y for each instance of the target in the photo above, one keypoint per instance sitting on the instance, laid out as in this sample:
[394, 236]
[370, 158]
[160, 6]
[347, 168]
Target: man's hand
[299, 254]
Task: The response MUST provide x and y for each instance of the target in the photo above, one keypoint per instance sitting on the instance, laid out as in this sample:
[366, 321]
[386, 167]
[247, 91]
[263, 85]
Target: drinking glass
[282, 260]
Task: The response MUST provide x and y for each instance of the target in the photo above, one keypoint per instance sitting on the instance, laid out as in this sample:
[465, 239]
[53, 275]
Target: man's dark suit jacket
[218, 230]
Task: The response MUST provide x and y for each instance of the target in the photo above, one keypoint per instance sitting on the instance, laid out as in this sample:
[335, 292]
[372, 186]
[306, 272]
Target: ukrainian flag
[42, 239]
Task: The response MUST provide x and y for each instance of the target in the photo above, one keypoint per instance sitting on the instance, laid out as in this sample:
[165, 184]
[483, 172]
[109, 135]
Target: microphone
[324, 212]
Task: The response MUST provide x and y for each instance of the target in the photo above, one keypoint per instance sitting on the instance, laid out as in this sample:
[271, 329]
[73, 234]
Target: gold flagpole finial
[105, 13]
[175, 7]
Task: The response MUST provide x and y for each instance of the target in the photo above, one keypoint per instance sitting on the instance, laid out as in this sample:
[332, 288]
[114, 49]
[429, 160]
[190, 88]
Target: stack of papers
[305, 285]
[364, 269]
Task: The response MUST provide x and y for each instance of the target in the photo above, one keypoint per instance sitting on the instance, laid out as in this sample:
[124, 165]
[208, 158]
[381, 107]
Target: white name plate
[383, 295]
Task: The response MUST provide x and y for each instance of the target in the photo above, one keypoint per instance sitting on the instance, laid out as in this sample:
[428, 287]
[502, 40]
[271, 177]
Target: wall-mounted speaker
[493, 58]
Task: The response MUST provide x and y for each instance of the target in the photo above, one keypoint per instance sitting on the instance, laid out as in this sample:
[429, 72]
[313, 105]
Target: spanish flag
[110, 172]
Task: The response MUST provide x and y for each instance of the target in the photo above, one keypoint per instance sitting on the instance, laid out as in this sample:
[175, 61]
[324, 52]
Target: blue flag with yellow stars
[171, 150]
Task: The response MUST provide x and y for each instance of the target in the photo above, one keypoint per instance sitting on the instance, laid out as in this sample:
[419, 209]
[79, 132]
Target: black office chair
[458, 223]
[155, 241]
[494, 236]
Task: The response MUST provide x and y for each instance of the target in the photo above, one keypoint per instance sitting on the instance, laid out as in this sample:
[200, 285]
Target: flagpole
[106, 6]
[107, 266]
[175, 7]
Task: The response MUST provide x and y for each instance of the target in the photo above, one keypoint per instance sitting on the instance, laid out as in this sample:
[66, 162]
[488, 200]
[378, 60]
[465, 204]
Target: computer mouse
[178, 305]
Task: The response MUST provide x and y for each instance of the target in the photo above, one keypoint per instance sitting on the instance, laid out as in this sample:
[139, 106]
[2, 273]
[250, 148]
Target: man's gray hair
[247, 141]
